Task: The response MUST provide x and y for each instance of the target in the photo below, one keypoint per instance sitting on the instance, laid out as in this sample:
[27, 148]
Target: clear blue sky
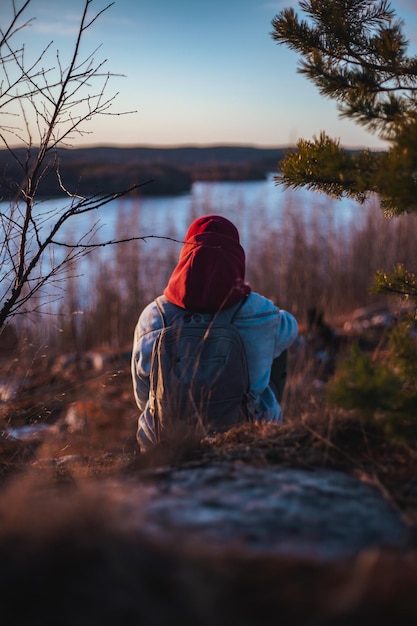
[196, 72]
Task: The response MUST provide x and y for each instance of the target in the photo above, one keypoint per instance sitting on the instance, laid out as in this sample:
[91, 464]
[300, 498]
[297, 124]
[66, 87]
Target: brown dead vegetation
[65, 546]
[63, 542]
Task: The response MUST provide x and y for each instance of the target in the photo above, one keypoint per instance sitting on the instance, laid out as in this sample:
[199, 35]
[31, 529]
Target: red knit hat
[210, 272]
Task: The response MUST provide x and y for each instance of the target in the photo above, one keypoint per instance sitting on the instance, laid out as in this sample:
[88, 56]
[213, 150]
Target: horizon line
[191, 145]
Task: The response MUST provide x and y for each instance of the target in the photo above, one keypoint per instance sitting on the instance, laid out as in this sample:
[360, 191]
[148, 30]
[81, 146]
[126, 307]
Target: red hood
[210, 272]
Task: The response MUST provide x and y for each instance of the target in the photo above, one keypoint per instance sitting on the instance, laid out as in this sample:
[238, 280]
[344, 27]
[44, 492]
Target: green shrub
[381, 386]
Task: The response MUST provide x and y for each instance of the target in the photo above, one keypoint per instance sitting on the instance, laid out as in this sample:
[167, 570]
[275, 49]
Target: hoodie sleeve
[287, 332]
[146, 332]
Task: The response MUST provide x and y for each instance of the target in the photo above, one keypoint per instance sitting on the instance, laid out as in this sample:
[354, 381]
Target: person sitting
[210, 277]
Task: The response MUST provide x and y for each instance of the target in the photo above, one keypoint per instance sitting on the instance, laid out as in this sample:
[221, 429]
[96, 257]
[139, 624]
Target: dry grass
[75, 563]
[65, 544]
[92, 426]
[63, 541]
[309, 261]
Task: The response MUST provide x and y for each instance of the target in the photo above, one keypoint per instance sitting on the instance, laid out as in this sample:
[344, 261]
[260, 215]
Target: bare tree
[54, 100]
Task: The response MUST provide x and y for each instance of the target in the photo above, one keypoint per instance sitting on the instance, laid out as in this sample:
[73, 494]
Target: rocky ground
[312, 521]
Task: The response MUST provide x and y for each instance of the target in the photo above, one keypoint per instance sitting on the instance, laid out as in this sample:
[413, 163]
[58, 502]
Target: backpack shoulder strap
[168, 311]
[159, 303]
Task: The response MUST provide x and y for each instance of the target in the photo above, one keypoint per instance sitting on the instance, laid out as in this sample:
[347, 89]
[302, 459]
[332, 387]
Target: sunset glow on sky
[195, 72]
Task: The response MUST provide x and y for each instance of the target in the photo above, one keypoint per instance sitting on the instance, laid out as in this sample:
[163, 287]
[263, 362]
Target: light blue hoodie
[266, 331]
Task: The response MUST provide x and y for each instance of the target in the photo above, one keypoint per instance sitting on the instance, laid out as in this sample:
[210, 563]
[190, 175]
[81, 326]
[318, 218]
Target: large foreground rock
[320, 514]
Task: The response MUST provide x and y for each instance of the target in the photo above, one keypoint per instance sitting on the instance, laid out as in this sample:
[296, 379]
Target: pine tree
[355, 52]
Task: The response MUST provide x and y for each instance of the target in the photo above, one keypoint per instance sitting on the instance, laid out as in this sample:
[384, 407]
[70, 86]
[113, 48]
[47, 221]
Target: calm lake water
[250, 205]
[256, 207]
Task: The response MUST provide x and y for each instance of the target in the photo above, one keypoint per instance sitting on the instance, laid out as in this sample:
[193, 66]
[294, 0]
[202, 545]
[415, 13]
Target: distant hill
[183, 155]
[103, 170]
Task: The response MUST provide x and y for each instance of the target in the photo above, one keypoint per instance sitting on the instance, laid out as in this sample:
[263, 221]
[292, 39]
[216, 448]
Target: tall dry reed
[309, 261]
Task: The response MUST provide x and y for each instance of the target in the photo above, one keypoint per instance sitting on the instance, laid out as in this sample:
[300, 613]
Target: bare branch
[55, 99]
[112, 242]
[12, 29]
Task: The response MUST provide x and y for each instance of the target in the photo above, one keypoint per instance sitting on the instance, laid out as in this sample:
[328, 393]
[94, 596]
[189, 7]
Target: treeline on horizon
[170, 171]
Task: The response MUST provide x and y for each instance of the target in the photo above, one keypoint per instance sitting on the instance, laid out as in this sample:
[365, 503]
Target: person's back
[209, 278]
[199, 371]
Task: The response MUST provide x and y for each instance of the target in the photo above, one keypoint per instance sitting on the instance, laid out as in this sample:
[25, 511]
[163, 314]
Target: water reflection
[245, 203]
[258, 208]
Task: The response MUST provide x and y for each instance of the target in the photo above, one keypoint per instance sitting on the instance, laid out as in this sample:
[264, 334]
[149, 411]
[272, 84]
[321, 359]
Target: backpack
[199, 370]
